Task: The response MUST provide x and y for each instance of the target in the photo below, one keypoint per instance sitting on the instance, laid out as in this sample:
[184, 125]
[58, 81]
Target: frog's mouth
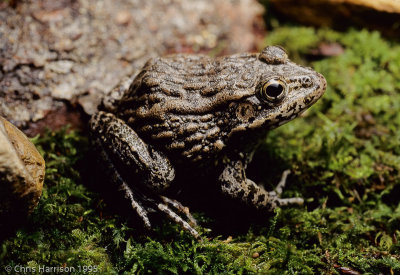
[299, 98]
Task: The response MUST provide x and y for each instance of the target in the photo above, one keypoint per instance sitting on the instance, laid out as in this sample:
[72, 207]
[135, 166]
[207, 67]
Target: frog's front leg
[235, 184]
[138, 169]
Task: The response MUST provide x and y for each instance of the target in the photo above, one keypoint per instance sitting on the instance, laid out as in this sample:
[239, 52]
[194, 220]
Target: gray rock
[67, 54]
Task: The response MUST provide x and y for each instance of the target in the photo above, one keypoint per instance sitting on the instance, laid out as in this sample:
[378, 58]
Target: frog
[202, 117]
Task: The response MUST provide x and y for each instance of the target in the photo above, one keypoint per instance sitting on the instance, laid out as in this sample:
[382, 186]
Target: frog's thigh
[128, 149]
[235, 184]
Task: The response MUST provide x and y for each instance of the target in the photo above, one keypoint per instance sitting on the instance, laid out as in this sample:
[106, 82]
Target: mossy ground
[345, 157]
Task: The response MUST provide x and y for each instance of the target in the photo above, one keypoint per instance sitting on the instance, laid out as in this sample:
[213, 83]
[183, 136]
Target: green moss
[345, 157]
[64, 229]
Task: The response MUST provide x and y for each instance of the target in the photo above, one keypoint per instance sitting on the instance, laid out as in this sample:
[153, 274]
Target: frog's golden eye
[274, 90]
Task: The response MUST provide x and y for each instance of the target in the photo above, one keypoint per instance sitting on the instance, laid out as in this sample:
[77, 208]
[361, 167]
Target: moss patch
[345, 158]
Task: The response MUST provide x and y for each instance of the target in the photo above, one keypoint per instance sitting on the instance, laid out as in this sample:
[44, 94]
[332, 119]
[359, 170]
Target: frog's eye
[273, 91]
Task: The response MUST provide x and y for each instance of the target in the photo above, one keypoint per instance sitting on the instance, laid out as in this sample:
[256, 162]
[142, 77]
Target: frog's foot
[279, 189]
[146, 205]
[163, 206]
[143, 205]
[235, 184]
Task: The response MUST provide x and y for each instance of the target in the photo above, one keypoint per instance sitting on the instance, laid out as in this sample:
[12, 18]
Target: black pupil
[274, 90]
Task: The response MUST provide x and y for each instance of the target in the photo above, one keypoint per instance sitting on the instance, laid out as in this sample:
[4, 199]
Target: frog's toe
[290, 201]
[163, 207]
[140, 210]
[182, 209]
[281, 185]
[279, 189]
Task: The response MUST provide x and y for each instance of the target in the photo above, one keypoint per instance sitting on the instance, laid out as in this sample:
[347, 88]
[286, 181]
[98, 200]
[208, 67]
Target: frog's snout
[323, 82]
[319, 87]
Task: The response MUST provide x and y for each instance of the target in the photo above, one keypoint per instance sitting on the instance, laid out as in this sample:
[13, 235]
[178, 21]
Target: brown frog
[199, 116]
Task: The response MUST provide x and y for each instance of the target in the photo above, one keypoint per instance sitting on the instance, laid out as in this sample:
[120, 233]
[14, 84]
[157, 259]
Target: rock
[382, 15]
[22, 171]
[56, 55]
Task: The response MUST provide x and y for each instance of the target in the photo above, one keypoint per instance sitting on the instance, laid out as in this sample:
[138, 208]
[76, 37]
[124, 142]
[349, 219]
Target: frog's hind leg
[142, 210]
[129, 160]
[129, 153]
[112, 173]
